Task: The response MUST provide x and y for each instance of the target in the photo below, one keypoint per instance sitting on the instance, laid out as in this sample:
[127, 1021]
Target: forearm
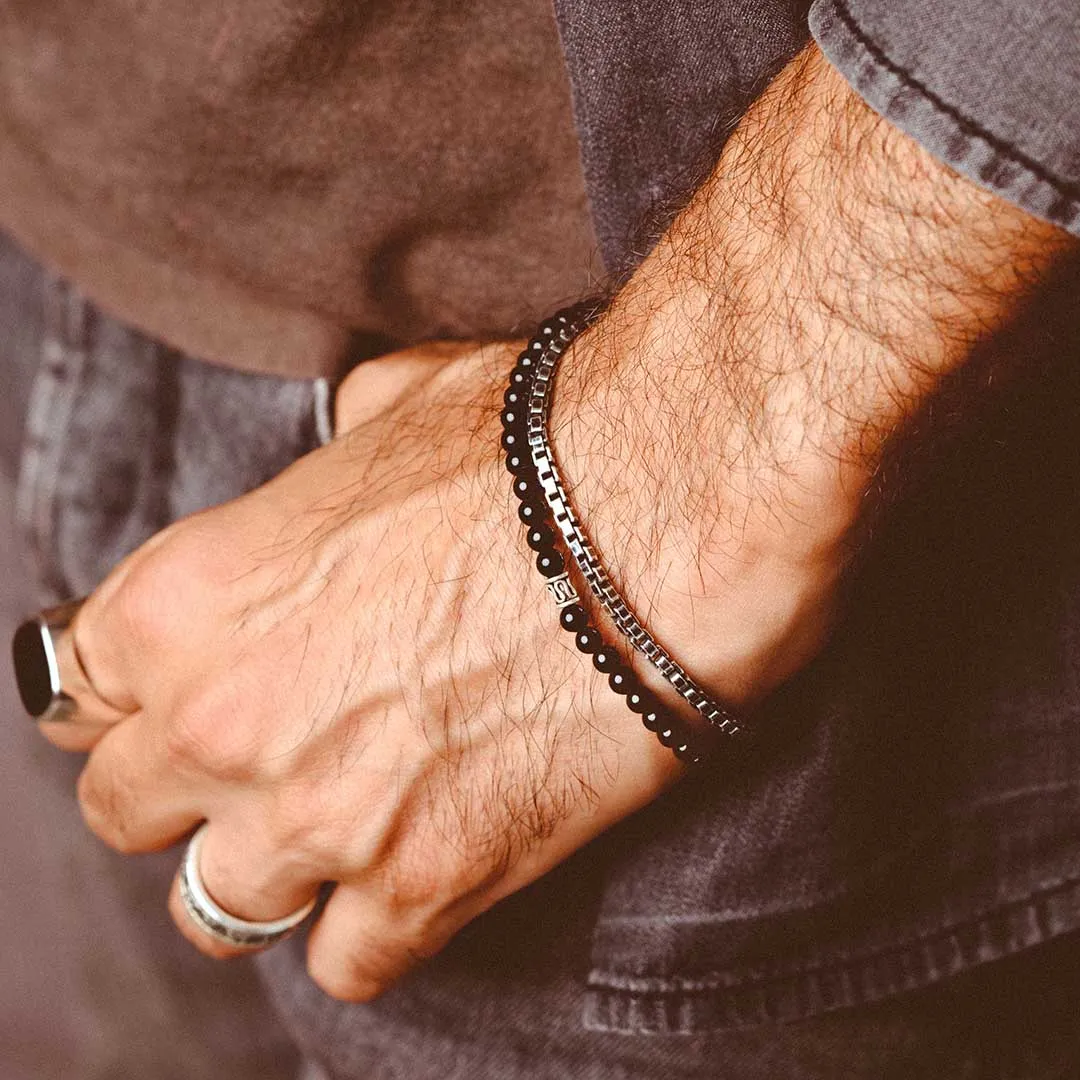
[723, 421]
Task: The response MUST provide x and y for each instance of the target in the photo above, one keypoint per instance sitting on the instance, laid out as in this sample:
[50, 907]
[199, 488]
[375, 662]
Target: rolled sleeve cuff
[950, 130]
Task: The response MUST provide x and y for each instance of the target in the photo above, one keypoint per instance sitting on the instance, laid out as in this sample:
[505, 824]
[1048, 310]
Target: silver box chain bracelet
[555, 336]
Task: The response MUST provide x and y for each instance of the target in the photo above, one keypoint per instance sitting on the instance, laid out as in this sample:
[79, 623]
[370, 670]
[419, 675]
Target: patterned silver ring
[216, 921]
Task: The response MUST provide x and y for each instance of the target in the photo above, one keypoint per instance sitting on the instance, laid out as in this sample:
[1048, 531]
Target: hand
[354, 674]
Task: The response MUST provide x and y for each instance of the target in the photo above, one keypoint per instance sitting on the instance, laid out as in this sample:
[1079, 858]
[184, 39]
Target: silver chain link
[560, 332]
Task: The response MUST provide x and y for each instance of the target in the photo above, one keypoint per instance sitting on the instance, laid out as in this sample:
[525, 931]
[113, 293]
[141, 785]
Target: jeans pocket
[125, 435]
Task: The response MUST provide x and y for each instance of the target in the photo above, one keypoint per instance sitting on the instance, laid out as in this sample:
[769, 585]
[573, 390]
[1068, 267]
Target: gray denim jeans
[121, 436]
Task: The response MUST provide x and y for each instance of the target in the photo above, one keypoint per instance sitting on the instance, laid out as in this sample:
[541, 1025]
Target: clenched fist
[354, 675]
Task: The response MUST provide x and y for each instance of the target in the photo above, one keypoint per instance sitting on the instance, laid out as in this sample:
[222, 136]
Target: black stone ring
[36, 650]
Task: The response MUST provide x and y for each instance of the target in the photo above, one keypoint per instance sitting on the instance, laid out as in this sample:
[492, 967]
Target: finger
[94, 709]
[75, 736]
[377, 385]
[362, 944]
[130, 795]
[249, 880]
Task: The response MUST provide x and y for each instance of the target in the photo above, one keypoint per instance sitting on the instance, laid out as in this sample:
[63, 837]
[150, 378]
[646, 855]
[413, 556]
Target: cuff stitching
[1067, 188]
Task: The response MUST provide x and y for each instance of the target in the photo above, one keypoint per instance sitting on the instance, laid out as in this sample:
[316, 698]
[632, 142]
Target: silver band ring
[216, 921]
[36, 650]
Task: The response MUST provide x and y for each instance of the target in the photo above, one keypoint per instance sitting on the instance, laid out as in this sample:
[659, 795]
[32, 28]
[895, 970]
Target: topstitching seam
[709, 983]
[1067, 188]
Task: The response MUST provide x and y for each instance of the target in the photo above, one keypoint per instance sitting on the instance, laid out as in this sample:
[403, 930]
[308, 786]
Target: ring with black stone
[36, 651]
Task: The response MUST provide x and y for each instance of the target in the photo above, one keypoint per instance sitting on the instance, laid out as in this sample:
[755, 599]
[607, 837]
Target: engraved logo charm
[562, 590]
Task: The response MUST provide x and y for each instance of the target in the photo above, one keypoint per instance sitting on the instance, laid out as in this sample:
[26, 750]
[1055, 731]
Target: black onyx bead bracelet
[534, 512]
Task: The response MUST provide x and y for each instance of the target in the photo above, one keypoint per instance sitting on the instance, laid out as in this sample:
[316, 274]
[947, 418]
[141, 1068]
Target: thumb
[376, 386]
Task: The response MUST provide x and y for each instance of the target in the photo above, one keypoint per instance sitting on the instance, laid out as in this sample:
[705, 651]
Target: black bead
[520, 380]
[620, 680]
[531, 512]
[686, 753]
[515, 398]
[588, 641]
[512, 419]
[526, 490]
[640, 701]
[512, 440]
[651, 719]
[518, 462]
[573, 618]
[606, 660]
[540, 537]
[666, 734]
[550, 563]
[526, 362]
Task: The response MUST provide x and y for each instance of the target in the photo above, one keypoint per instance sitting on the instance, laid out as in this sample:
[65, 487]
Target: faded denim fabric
[992, 88]
[124, 436]
[510, 1010]
[22, 311]
[657, 88]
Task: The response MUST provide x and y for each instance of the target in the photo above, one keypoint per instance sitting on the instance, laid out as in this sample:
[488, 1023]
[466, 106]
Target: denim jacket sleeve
[992, 88]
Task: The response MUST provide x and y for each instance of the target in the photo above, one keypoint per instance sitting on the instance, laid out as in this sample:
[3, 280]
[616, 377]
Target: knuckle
[189, 737]
[208, 732]
[291, 826]
[144, 608]
[345, 985]
[108, 807]
[148, 606]
[357, 974]
[297, 836]
[417, 881]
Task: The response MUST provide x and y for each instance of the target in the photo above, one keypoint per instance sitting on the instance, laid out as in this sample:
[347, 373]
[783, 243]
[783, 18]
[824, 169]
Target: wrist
[727, 551]
[719, 427]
